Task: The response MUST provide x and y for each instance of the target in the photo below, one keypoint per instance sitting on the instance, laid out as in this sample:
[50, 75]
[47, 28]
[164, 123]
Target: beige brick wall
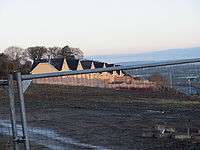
[44, 68]
[94, 80]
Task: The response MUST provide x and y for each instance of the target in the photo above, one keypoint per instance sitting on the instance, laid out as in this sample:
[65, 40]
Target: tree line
[15, 59]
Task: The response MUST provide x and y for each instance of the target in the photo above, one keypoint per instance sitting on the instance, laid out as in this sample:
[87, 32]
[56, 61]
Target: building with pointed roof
[63, 64]
[110, 79]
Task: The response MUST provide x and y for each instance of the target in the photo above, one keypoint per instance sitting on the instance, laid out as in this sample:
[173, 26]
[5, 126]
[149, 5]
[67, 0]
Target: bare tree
[3, 65]
[71, 53]
[36, 53]
[15, 53]
[77, 53]
[26, 67]
[53, 52]
[67, 52]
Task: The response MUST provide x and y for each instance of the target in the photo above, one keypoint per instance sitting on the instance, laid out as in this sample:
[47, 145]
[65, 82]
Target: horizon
[130, 53]
[145, 51]
[101, 27]
[160, 55]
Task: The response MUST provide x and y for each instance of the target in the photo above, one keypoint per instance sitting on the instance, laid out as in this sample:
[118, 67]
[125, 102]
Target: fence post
[12, 110]
[23, 113]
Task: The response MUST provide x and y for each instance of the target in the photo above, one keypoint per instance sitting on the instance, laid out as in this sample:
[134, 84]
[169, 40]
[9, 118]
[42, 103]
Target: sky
[101, 26]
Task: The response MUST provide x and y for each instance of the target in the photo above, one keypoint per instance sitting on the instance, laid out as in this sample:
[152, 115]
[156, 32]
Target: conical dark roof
[98, 64]
[86, 64]
[72, 64]
[56, 62]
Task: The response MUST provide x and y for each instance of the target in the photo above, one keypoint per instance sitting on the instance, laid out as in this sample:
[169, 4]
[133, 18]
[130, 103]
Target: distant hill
[170, 54]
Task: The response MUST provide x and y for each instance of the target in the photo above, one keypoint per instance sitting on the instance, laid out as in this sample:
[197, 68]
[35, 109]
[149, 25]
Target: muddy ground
[105, 118]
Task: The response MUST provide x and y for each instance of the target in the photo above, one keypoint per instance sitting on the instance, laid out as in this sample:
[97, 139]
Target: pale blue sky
[101, 26]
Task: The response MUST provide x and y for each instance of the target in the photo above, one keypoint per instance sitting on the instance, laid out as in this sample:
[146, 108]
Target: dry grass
[106, 117]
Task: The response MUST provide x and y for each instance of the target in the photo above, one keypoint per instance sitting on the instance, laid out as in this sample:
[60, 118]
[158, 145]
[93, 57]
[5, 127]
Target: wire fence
[118, 109]
[5, 125]
[140, 108]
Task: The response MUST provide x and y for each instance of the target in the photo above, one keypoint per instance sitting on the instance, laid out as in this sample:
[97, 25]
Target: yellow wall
[65, 66]
[121, 74]
[115, 73]
[44, 68]
[105, 75]
[92, 67]
[79, 66]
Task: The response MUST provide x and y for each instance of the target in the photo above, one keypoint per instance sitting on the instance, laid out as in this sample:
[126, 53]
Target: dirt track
[109, 118]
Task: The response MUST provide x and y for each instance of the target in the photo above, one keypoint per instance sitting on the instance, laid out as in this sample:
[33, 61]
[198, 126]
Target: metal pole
[12, 110]
[188, 128]
[190, 86]
[171, 79]
[23, 113]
